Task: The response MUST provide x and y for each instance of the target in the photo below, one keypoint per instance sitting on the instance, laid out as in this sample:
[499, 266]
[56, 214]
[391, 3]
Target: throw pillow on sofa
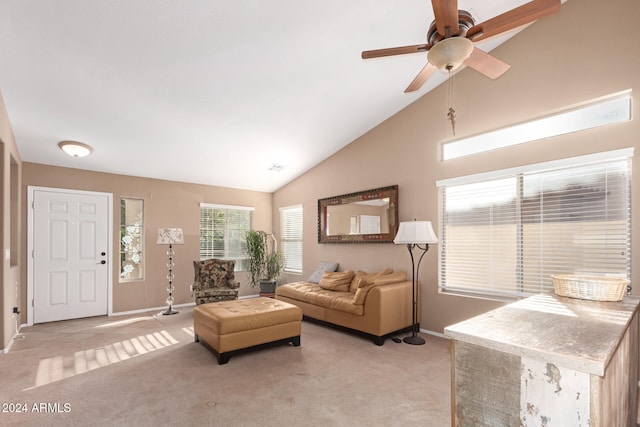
[394, 277]
[336, 281]
[322, 267]
[366, 284]
[364, 275]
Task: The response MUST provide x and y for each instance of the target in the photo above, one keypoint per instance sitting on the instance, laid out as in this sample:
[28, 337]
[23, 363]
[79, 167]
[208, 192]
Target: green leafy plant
[274, 266]
[265, 262]
[256, 255]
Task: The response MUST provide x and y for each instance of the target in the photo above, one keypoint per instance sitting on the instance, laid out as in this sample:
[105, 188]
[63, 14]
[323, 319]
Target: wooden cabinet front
[547, 360]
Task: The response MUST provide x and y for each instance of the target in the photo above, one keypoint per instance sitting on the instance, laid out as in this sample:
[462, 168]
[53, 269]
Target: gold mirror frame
[388, 229]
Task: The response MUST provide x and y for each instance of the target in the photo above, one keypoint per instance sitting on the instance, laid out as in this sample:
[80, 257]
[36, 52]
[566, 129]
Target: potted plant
[273, 270]
[265, 264]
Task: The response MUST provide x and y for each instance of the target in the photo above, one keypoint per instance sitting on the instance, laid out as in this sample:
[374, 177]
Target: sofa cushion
[322, 267]
[336, 281]
[364, 275]
[312, 293]
[366, 284]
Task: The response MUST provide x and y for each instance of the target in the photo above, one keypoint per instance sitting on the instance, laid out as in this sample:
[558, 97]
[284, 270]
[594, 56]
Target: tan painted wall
[9, 271]
[166, 204]
[584, 52]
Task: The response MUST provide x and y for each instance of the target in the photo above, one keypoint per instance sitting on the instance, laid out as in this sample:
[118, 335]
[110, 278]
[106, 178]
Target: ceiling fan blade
[486, 64]
[514, 18]
[446, 14]
[421, 78]
[378, 53]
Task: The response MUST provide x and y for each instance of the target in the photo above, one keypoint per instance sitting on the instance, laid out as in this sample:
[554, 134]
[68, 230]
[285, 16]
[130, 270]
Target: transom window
[506, 233]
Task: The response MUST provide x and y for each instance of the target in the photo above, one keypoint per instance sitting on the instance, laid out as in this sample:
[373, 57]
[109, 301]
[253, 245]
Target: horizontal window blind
[222, 232]
[507, 236]
[291, 237]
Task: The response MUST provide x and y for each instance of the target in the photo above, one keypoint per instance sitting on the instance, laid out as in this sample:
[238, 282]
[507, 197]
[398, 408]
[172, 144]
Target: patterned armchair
[214, 281]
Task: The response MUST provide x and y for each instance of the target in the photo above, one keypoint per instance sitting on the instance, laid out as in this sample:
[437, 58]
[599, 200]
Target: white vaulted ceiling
[210, 92]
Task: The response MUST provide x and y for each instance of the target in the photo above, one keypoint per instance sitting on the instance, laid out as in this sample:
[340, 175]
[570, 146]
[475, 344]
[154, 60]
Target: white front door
[70, 254]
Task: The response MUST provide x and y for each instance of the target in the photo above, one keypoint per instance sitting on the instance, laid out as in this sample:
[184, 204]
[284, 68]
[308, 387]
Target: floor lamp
[413, 234]
[170, 236]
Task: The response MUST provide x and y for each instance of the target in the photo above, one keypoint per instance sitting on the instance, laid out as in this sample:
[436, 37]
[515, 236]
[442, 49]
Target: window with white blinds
[291, 237]
[222, 232]
[505, 233]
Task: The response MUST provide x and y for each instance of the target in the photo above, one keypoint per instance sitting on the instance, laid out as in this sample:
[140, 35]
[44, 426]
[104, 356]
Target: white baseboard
[13, 338]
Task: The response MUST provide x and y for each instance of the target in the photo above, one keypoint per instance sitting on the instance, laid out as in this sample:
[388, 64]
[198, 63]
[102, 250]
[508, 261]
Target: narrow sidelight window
[131, 239]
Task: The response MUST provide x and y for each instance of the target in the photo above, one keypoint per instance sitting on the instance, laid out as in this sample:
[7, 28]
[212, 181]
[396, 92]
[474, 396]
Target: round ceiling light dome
[75, 149]
[449, 54]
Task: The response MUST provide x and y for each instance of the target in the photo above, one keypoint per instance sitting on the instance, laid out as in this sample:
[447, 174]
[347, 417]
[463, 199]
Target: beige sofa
[376, 304]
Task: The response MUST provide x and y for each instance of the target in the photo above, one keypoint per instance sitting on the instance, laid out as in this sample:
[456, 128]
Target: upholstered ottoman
[229, 326]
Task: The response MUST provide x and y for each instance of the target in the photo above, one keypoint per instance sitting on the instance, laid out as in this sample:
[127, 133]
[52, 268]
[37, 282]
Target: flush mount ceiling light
[75, 149]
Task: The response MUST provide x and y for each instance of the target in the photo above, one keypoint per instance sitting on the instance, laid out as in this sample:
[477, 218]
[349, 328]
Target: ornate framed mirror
[369, 216]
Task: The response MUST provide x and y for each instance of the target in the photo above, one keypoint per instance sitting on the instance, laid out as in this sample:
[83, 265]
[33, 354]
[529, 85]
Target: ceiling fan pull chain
[451, 115]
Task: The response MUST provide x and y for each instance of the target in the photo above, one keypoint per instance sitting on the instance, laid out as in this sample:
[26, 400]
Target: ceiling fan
[451, 36]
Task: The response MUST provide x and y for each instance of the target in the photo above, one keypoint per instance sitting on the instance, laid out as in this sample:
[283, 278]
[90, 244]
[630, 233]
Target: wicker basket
[594, 288]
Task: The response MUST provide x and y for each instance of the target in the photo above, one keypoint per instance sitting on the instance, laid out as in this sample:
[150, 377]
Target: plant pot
[267, 287]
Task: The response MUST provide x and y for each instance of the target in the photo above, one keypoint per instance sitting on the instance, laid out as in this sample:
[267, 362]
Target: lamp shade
[415, 232]
[170, 236]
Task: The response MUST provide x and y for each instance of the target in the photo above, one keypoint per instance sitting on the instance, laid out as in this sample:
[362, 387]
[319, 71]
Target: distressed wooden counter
[547, 361]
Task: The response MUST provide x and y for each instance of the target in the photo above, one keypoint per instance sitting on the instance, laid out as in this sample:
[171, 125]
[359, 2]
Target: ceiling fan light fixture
[448, 54]
[75, 149]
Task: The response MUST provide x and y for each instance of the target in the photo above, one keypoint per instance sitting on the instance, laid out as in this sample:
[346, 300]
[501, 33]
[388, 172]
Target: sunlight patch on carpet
[123, 322]
[57, 368]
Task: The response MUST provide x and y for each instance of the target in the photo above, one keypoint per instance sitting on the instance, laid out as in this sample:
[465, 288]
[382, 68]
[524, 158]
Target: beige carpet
[145, 370]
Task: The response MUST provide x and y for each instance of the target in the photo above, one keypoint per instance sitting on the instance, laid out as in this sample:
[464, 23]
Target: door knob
[102, 262]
